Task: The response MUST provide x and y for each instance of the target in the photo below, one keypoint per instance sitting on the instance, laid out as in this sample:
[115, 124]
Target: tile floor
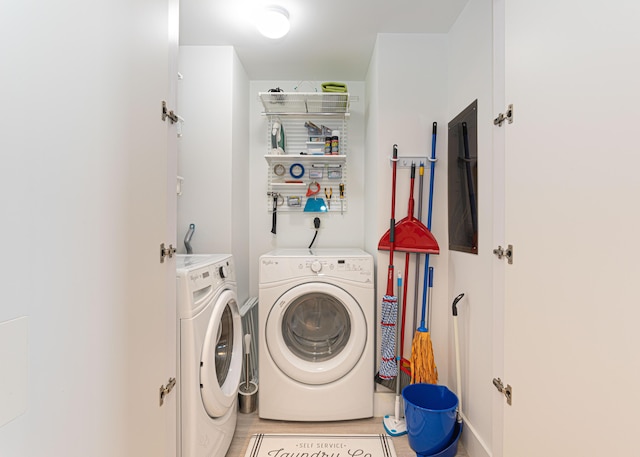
[249, 424]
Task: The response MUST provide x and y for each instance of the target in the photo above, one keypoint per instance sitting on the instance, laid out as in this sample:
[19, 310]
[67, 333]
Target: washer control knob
[316, 266]
[223, 271]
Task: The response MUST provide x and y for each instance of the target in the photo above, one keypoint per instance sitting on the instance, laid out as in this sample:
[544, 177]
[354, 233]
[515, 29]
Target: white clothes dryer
[210, 354]
[316, 352]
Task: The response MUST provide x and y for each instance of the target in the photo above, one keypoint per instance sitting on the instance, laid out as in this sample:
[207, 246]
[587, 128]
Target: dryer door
[221, 359]
[316, 333]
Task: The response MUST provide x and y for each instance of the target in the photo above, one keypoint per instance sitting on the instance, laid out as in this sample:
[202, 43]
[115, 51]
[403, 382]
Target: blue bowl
[430, 414]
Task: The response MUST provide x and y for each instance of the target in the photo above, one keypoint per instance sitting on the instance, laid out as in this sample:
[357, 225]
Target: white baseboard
[383, 403]
[472, 442]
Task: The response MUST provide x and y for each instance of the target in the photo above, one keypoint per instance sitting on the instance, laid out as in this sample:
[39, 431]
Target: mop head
[388, 368]
[423, 364]
[393, 426]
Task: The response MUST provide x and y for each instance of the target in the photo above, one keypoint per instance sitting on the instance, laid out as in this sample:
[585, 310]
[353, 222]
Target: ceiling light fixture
[273, 22]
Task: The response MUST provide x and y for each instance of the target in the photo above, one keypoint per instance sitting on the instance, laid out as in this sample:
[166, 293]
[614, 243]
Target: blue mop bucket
[451, 449]
[430, 414]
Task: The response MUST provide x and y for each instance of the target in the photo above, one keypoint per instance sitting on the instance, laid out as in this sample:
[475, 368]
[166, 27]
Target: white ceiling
[330, 40]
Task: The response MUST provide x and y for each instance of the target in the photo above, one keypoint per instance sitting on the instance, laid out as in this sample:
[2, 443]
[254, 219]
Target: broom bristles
[423, 364]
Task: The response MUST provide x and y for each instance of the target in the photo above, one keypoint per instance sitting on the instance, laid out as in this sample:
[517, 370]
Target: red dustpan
[411, 235]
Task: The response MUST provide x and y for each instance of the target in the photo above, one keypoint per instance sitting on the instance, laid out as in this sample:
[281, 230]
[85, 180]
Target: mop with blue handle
[423, 365]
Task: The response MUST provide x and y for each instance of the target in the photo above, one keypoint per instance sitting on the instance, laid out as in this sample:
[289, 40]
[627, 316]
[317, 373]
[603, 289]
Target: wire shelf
[296, 103]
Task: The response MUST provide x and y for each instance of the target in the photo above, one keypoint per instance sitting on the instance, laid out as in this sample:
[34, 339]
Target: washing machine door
[221, 358]
[316, 333]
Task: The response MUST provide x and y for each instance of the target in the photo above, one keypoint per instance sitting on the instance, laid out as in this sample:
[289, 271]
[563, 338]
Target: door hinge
[166, 252]
[505, 253]
[507, 391]
[164, 390]
[166, 113]
[507, 116]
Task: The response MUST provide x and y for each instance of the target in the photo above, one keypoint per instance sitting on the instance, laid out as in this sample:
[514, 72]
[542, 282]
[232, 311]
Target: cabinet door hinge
[164, 390]
[166, 252]
[507, 391]
[504, 253]
[506, 116]
[166, 113]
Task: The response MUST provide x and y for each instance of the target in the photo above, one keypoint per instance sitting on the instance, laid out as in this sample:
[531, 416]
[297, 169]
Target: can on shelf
[335, 145]
[327, 145]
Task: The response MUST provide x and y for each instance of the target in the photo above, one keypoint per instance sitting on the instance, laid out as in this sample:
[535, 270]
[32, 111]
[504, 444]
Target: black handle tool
[274, 217]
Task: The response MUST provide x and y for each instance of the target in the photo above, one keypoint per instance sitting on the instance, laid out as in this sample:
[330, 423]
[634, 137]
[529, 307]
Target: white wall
[205, 154]
[469, 73]
[373, 209]
[225, 174]
[296, 229]
[407, 82]
[214, 157]
[83, 207]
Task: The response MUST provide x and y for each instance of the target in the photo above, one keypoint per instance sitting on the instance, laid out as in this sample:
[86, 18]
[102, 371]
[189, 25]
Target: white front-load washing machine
[316, 347]
[210, 354]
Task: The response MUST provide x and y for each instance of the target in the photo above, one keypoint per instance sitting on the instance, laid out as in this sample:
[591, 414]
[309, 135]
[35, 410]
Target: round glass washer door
[221, 361]
[316, 333]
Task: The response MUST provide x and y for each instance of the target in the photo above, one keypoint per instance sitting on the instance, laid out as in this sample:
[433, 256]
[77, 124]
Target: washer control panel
[316, 266]
[279, 267]
[211, 275]
[199, 278]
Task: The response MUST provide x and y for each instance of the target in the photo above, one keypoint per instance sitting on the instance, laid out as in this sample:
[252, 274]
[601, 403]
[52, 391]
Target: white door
[170, 333]
[572, 158]
[85, 208]
[152, 314]
[152, 212]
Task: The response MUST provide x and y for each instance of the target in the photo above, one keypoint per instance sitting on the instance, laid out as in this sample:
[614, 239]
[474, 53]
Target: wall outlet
[405, 161]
